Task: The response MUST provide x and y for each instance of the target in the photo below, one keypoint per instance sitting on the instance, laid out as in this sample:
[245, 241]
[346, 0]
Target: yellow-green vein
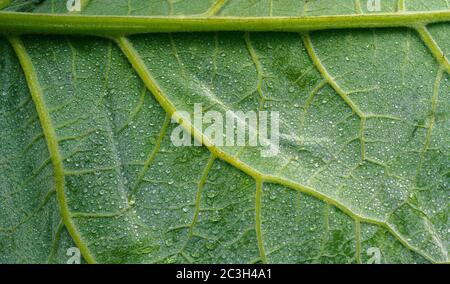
[200, 186]
[52, 144]
[434, 47]
[21, 23]
[258, 214]
[152, 156]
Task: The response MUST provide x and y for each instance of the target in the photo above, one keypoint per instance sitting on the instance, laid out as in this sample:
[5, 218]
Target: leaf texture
[87, 160]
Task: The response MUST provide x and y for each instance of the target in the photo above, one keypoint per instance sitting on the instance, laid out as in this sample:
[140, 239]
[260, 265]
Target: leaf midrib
[32, 23]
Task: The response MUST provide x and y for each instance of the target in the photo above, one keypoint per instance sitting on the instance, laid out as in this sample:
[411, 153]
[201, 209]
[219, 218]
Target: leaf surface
[363, 162]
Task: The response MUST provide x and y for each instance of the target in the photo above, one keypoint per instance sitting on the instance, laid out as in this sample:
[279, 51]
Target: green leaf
[86, 157]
